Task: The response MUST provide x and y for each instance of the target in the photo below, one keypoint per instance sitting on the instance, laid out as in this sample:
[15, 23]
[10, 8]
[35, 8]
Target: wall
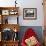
[31, 4]
[27, 4]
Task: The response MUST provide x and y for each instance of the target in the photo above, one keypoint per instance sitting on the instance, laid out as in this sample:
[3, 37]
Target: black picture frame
[29, 13]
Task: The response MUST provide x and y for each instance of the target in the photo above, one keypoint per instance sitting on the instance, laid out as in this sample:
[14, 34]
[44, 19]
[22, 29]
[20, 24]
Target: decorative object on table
[30, 38]
[13, 12]
[30, 13]
[15, 36]
[7, 34]
[6, 21]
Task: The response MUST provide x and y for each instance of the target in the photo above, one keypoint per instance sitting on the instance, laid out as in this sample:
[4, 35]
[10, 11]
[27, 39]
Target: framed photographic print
[5, 12]
[13, 12]
[30, 13]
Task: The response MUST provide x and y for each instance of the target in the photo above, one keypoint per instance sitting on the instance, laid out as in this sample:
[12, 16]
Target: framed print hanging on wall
[30, 13]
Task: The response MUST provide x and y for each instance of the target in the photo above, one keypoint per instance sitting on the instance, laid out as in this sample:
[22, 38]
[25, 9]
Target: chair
[27, 37]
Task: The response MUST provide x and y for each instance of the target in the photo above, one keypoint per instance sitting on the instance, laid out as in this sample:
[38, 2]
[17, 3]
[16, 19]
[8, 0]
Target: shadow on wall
[37, 29]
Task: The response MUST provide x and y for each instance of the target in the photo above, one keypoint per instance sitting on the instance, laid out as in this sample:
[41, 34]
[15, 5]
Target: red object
[29, 33]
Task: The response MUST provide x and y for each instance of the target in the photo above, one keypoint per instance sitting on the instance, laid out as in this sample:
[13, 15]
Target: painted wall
[26, 4]
[31, 4]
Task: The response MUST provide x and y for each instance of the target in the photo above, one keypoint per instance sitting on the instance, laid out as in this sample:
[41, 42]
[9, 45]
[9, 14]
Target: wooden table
[9, 43]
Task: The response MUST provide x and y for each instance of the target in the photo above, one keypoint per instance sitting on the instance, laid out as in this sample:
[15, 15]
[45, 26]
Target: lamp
[15, 3]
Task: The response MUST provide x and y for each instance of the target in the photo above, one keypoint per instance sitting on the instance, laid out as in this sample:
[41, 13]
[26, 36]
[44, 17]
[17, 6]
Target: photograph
[30, 13]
